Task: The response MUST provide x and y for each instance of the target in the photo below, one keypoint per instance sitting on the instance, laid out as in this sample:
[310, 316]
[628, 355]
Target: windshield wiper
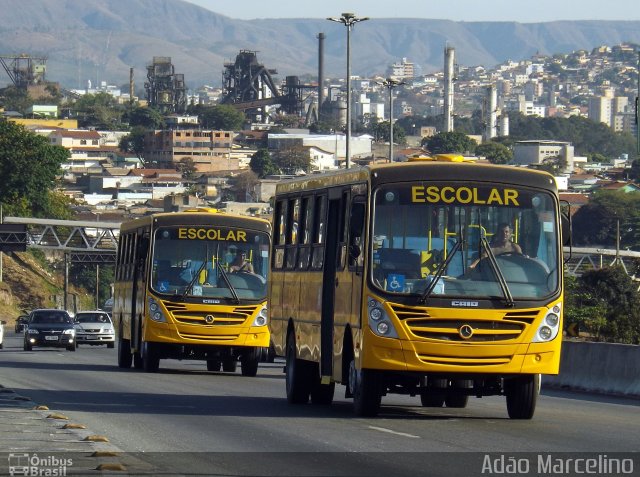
[193, 280]
[225, 277]
[439, 271]
[496, 270]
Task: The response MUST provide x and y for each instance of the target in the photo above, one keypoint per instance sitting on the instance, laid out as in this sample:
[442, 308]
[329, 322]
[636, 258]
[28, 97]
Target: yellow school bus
[177, 294]
[385, 279]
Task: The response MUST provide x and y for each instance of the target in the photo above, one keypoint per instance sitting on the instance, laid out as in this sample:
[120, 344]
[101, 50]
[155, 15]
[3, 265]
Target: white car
[94, 328]
[2, 323]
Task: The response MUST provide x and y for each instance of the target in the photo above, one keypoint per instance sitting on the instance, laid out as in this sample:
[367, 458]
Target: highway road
[184, 417]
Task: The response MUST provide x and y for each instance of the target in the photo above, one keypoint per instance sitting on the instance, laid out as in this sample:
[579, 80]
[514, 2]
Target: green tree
[449, 142]
[262, 164]
[292, 159]
[596, 223]
[221, 117]
[99, 110]
[147, 118]
[613, 286]
[187, 168]
[15, 99]
[495, 152]
[133, 143]
[29, 167]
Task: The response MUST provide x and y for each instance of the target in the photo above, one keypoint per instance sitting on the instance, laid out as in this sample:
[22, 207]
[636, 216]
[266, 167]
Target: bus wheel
[249, 362]
[124, 353]
[297, 377]
[365, 388]
[137, 360]
[459, 400]
[150, 358]
[522, 395]
[432, 400]
[229, 365]
[321, 393]
[213, 364]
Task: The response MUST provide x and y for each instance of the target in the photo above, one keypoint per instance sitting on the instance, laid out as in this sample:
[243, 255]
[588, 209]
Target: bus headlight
[379, 321]
[262, 318]
[155, 311]
[550, 326]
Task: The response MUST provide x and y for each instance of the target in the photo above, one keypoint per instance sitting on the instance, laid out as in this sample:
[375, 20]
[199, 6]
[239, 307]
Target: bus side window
[356, 233]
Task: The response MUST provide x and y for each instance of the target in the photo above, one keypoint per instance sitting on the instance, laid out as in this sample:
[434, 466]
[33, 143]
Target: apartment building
[209, 150]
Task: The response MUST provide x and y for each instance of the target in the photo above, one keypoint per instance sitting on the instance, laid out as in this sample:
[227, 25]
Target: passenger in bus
[240, 263]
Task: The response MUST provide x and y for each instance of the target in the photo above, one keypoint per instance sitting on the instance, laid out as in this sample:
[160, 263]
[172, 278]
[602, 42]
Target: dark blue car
[50, 327]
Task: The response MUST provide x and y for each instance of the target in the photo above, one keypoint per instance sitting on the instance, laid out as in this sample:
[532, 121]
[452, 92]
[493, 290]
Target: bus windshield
[474, 240]
[210, 262]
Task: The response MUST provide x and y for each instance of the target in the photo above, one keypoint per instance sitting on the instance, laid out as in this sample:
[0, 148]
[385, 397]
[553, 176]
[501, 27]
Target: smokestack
[491, 116]
[130, 85]
[320, 73]
[448, 88]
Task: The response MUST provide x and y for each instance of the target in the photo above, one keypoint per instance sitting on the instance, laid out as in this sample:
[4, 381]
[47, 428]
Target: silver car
[94, 328]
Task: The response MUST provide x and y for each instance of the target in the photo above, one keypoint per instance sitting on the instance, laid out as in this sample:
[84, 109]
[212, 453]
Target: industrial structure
[449, 54]
[249, 86]
[24, 70]
[165, 89]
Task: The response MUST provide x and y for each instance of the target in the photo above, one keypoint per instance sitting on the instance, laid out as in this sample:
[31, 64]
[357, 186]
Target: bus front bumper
[254, 336]
[431, 357]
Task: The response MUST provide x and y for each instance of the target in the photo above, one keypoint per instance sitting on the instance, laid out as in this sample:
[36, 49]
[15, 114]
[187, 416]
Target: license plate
[90, 337]
[51, 338]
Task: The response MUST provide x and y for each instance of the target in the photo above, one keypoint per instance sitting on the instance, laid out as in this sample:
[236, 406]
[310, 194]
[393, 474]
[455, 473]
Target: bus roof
[198, 217]
[422, 170]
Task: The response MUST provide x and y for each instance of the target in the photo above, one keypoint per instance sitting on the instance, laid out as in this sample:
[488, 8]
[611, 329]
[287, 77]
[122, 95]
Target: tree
[596, 223]
[221, 117]
[243, 185]
[29, 167]
[450, 142]
[262, 164]
[15, 99]
[495, 152]
[147, 118]
[612, 285]
[187, 168]
[133, 142]
[382, 132]
[292, 160]
[98, 110]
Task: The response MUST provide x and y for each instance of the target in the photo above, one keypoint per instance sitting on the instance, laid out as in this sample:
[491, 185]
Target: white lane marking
[403, 434]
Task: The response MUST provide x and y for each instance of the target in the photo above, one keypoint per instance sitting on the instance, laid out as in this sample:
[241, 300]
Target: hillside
[27, 285]
[102, 39]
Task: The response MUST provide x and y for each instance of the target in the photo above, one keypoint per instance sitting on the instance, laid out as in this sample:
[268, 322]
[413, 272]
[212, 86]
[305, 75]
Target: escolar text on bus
[464, 195]
[212, 234]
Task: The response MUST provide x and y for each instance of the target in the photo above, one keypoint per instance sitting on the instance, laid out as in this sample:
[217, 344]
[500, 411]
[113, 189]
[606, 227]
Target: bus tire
[459, 401]
[522, 395]
[432, 400]
[150, 358]
[366, 391]
[322, 394]
[249, 362]
[124, 353]
[229, 365]
[435, 396]
[297, 377]
[214, 365]
[137, 360]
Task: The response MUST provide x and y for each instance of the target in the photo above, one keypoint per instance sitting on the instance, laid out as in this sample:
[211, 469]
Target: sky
[458, 10]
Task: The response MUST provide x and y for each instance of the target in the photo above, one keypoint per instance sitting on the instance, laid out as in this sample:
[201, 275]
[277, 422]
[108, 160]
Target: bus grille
[419, 323]
[185, 315]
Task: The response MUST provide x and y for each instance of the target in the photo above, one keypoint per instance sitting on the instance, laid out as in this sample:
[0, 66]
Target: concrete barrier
[607, 368]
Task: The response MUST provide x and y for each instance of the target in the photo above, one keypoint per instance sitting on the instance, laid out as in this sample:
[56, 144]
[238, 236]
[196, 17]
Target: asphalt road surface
[186, 420]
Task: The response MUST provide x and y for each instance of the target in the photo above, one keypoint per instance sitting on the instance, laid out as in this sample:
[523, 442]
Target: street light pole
[391, 83]
[348, 20]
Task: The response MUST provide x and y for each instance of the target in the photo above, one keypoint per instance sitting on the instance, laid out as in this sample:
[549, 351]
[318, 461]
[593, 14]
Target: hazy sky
[459, 10]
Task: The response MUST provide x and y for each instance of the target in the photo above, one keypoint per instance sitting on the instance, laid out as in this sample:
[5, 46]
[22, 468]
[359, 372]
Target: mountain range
[100, 40]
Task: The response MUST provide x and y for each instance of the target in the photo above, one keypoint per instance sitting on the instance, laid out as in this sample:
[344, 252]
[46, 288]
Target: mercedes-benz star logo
[209, 319]
[465, 332]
